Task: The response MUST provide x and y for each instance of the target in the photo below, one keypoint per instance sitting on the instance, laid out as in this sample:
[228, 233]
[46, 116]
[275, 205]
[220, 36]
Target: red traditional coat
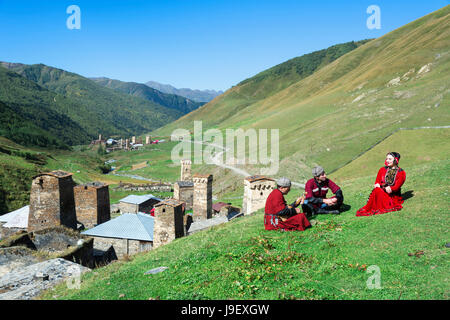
[274, 204]
[379, 200]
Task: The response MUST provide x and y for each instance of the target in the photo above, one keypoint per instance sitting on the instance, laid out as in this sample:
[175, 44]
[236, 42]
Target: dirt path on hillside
[217, 160]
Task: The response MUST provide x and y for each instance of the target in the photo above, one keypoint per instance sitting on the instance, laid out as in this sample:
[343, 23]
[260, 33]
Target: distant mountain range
[195, 95]
[140, 90]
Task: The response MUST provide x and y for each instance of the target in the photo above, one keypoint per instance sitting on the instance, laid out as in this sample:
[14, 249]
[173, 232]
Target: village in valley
[77, 222]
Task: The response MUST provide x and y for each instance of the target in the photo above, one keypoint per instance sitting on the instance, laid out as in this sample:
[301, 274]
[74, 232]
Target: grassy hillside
[332, 260]
[346, 106]
[32, 115]
[261, 86]
[140, 90]
[96, 108]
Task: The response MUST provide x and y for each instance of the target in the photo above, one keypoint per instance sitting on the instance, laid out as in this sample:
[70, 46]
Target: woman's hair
[396, 155]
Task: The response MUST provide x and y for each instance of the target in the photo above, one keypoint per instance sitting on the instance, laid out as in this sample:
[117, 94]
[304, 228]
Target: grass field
[332, 260]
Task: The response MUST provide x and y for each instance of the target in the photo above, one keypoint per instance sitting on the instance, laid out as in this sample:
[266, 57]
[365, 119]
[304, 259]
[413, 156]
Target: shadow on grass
[408, 194]
[345, 208]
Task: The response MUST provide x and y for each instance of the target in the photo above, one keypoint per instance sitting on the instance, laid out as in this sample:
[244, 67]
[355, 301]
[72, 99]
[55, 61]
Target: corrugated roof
[8, 216]
[131, 226]
[134, 199]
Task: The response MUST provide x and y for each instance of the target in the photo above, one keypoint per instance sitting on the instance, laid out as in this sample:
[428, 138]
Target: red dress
[275, 203]
[379, 200]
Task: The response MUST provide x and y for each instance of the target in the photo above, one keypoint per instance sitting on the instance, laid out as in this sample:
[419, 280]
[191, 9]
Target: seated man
[316, 190]
[279, 216]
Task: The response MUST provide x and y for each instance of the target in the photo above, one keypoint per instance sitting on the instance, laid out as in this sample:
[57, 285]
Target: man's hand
[388, 189]
[297, 210]
[330, 201]
[377, 185]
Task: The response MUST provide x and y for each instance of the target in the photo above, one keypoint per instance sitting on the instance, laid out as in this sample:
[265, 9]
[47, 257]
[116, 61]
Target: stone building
[184, 191]
[135, 204]
[169, 222]
[127, 234]
[256, 191]
[92, 204]
[186, 170]
[202, 202]
[52, 201]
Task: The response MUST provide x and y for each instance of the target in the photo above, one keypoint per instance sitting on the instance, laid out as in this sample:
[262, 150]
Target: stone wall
[184, 191]
[146, 206]
[52, 201]
[256, 191]
[128, 207]
[202, 202]
[145, 187]
[168, 224]
[122, 247]
[92, 204]
[186, 170]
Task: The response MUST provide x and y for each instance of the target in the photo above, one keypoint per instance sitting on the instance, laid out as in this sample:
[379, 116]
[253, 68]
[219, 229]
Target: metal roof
[185, 183]
[9, 216]
[134, 199]
[131, 226]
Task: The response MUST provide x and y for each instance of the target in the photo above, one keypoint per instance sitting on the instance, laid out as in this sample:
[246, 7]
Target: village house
[135, 203]
[127, 234]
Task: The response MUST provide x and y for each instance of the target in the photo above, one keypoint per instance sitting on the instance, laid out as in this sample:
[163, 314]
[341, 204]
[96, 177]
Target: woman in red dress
[386, 195]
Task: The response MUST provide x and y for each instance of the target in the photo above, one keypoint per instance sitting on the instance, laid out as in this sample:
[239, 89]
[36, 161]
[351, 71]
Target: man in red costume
[386, 195]
[316, 189]
[279, 216]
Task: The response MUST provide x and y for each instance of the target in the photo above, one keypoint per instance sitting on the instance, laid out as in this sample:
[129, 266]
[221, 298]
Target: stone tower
[186, 170]
[133, 139]
[168, 223]
[256, 191]
[184, 191]
[202, 202]
[52, 201]
[92, 204]
[147, 139]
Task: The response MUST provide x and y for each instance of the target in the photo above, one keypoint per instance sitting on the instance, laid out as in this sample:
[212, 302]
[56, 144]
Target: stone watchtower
[92, 204]
[186, 170]
[202, 206]
[168, 223]
[52, 201]
[256, 191]
[184, 191]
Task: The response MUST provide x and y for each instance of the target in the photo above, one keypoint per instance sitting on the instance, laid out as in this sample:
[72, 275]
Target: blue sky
[188, 43]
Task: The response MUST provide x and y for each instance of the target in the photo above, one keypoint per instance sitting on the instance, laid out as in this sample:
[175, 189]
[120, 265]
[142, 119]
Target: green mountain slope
[140, 90]
[345, 107]
[99, 109]
[263, 85]
[32, 115]
[332, 260]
